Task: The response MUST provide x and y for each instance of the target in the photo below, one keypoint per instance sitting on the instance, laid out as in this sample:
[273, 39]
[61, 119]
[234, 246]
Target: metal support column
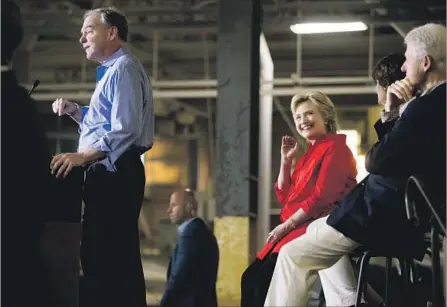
[299, 50]
[371, 48]
[237, 134]
[265, 143]
[210, 122]
[155, 41]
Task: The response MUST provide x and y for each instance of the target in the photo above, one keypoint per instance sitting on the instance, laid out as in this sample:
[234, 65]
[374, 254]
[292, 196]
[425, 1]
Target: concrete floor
[155, 265]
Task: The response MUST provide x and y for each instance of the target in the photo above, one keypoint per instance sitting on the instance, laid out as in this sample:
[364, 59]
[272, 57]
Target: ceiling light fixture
[327, 27]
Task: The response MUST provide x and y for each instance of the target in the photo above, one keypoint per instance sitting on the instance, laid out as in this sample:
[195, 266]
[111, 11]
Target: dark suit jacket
[192, 271]
[374, 214]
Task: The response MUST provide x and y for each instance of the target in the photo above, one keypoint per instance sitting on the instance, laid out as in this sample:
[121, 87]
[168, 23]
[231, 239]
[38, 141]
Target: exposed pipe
[212, 93]
[211, 83]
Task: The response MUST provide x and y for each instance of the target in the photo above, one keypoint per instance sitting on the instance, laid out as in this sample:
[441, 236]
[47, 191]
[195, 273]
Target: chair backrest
[423, 209]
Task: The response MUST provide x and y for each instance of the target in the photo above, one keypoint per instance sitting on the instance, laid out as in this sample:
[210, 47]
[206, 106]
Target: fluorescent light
[327, 27]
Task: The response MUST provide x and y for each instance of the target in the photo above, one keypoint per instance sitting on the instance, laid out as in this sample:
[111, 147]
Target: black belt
[140, 149]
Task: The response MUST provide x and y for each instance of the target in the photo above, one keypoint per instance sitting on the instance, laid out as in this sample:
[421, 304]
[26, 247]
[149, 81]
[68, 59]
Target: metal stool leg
[387, 279]
[364, 263]
[405, 265]
[438, 297]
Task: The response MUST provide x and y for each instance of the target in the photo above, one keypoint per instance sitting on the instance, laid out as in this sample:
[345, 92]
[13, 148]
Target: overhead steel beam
[194, 46]
[402, 28]
[292, 6]
[273, 22]
[357, 4]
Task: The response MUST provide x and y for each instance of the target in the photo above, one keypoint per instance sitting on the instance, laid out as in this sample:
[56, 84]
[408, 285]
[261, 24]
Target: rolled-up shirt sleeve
[281, 194]
[126, 113]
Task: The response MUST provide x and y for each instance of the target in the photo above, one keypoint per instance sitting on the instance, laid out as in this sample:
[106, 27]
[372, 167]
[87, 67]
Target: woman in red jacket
[321, 177]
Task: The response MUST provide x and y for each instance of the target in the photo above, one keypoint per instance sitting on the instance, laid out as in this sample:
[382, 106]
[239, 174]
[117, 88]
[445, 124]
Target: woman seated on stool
[322, 176]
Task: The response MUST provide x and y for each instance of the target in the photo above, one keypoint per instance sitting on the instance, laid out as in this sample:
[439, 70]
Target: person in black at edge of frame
[25, 178]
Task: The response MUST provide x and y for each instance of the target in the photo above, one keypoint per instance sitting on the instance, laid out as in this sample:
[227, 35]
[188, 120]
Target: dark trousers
[256, 281]
[110, 249]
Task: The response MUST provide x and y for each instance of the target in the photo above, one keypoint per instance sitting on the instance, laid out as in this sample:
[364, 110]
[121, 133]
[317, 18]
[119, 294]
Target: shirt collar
[433, 87]
[101, 69]
[112, 59]
[183, 225]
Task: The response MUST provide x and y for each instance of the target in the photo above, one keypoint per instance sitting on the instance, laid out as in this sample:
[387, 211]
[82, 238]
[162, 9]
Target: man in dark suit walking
[192, 271]
[373, 214]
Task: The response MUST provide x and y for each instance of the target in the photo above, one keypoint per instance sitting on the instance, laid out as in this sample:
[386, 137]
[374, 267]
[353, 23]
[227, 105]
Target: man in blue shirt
[115, 130]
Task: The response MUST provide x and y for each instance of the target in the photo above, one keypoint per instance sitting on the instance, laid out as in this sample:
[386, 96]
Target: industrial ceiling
[176, 42]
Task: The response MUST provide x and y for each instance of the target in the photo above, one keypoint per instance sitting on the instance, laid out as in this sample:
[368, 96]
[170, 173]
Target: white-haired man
[373, 213]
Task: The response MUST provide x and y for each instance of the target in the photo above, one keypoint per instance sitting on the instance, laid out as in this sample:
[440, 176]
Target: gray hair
[112, 18]
[429, 40]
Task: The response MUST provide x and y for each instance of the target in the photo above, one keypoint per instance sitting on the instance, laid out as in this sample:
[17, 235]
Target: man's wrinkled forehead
[91, 21]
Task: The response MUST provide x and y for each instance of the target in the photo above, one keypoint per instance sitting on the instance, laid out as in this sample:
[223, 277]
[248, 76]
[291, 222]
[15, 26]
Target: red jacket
[324, 174]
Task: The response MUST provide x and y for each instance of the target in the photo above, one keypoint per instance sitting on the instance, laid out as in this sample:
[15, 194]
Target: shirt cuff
[306, 208]
[102, 146]
[389, 116]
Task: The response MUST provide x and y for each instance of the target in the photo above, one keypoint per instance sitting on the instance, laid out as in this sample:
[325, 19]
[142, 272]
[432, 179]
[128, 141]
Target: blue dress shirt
[121, 113]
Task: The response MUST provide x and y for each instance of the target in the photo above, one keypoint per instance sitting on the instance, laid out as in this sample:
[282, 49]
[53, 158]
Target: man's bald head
[182, 206]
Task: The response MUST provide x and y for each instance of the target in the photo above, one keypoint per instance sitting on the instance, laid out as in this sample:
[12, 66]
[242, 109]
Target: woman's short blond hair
[324, 105]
